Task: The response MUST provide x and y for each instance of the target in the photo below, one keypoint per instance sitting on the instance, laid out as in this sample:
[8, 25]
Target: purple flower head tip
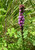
[21, 6]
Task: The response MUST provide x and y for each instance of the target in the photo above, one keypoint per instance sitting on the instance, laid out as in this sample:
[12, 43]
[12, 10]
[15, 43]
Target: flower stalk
[21, 19]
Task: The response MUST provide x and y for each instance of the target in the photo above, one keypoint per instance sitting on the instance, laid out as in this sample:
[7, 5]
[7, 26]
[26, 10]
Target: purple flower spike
[21, 17]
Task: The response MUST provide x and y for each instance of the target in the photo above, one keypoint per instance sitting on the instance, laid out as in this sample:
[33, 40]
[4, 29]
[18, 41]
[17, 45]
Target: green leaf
[2, 9]
[0, 48]
[5, 44]
[33, 33]
[11, 32]
[33, 43]
[8, 30]
[15, 36]
[5, 48]
[1, 27]
[1, 44]
[25, 33]
[25, 36]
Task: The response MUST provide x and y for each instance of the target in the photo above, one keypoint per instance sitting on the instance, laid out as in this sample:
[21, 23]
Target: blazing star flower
[21, 17]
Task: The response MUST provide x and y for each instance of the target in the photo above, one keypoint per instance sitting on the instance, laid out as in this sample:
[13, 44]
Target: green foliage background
[10, 34]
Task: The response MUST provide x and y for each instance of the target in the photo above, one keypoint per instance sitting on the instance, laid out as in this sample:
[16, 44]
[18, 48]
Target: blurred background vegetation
[10, 35]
